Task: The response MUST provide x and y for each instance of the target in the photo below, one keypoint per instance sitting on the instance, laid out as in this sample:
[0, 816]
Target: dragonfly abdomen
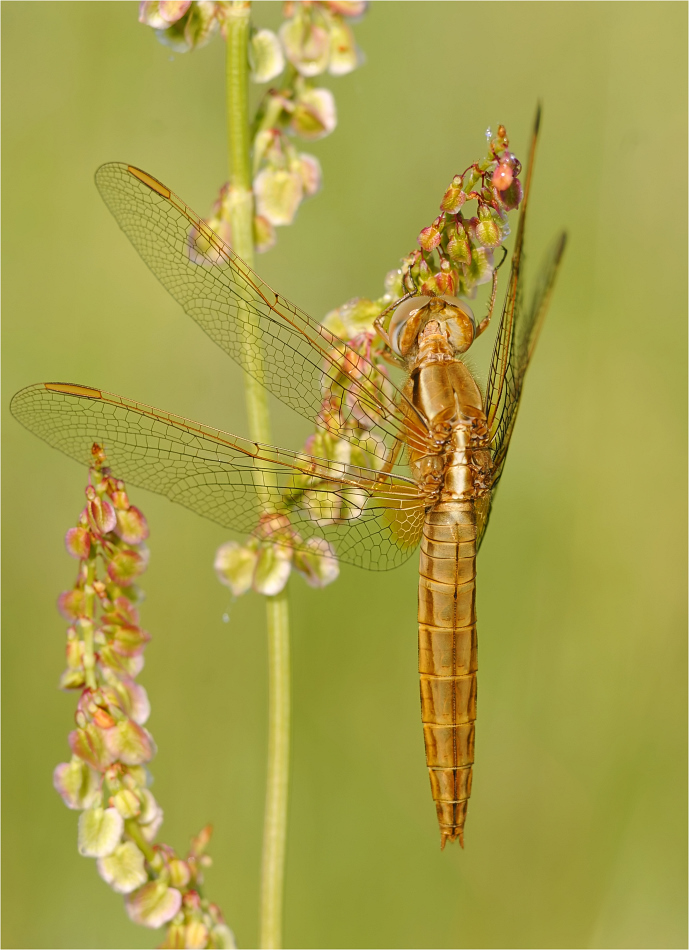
[448, 658]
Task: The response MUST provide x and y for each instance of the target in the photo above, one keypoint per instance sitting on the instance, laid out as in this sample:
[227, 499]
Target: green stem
[275, 821]
[277, 614]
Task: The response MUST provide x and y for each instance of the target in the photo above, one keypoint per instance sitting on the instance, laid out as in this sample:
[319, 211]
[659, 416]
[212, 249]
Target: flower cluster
[315, 37]
[455, 253]
[264, 563]
[106, 779]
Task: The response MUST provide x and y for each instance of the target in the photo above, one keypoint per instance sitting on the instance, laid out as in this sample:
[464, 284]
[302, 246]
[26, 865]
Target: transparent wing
[292, 355]
[515, 342]
[373, 520]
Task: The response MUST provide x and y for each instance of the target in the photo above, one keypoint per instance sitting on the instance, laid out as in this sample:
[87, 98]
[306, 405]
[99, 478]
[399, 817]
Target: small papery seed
[429, 238]
[132, 526]
[502, 177]
[78, 542]
[101, 515]
[125, 566]
[71, 604]
[454, 197]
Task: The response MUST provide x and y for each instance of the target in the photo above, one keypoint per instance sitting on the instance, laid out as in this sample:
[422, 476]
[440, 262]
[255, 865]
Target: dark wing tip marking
[149, 180]
[71, 389]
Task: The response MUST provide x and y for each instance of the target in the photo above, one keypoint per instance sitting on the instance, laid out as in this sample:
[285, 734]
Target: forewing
[373, 520]
[514, 345]
[292, 355]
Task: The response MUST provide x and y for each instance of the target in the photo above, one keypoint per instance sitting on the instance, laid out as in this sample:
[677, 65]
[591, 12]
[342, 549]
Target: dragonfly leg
[483, 325]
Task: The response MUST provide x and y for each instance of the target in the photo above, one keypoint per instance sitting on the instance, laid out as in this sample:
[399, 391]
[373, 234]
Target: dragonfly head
[453, 317]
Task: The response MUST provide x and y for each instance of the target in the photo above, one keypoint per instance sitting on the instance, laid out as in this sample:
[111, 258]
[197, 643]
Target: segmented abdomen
[448, 658]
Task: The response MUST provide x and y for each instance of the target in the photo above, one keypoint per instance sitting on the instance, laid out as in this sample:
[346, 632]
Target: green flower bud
[272, 569]
[344, 55]
[180, 873]
[454, 197]
[307, 45]
[429, 238]
[458, 247]
[153, 904]
[127, 804]
[488, 231]
[124, 869]
[266, 58]
[129, 743]
[317, 562]
[100, 830]
[278, 194]
[196, 935]
[235, 565]
[78, 784]
[314, 114]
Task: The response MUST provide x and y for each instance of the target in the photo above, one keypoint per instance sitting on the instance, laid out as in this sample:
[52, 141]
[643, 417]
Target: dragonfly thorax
[419, 318]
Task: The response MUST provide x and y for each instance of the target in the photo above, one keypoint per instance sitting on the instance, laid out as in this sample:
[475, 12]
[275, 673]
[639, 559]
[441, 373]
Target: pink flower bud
[124, 869]
[446, 282]
[78, 542]
[88, 743]
[502, 177]
[162, 13]
[132, 527]
[101, 515]
[103, 719]
[511, 197]
[153, 904]
[125, 566]
[200, 842]
[129, 743]
[429, 238]
[348, 8]
[119, 499]
[134, 699]
[127, 639]
[72, 604]
[192, 900]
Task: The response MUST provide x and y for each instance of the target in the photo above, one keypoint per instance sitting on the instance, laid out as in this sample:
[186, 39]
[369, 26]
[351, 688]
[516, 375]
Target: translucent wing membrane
[297, 359]
[373, 520]
[515, 343]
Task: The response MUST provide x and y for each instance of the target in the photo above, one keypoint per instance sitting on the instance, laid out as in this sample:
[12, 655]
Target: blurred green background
[576, 834]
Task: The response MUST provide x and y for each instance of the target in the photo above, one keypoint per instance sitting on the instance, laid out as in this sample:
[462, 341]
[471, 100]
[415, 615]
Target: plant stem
[275, 821]
[277, 612]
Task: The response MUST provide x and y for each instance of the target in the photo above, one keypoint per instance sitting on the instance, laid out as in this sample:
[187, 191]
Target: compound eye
[460, 323]
[405, 324]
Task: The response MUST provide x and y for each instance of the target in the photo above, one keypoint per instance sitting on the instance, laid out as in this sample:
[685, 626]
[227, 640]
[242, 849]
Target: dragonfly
[435, 446]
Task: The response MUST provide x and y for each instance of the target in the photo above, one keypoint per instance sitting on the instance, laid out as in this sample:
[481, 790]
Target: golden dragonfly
[453, 439]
